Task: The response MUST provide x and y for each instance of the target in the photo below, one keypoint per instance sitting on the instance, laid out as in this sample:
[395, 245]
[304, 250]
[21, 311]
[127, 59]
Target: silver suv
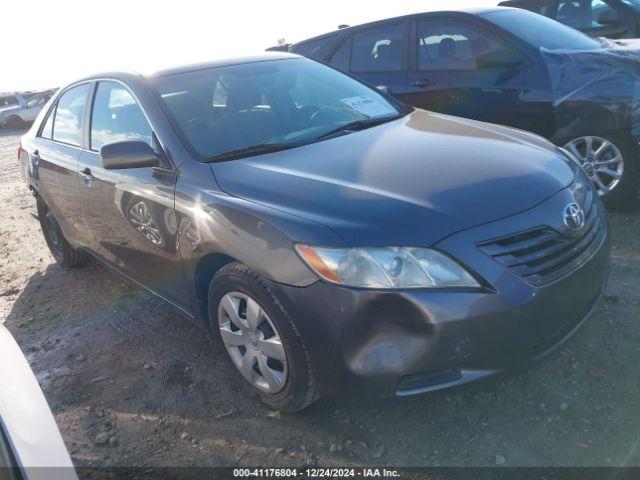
[17, 110]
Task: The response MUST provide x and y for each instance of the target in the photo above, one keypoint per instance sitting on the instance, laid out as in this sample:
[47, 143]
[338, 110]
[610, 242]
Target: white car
[31, 447]
[19, 111]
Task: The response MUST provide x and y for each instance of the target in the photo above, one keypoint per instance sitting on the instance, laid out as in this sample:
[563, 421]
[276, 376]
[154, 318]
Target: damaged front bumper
[398, 343]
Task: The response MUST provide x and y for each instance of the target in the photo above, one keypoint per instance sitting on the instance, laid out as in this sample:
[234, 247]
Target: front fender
[213, 223]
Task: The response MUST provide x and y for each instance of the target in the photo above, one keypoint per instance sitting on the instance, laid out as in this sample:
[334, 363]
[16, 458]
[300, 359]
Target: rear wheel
[58, 245]
[260, 339]
[612, 165]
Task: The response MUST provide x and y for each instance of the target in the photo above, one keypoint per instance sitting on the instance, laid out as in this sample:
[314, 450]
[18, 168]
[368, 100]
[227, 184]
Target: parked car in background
[330, 237]
[597, 18]
[488, 65]
[31, 447]
[11, 100]
[22, 110]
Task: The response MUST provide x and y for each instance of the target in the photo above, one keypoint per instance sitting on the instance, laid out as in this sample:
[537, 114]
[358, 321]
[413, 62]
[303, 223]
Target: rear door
[54, 154]
[377, 56]
[446, 77]
[128, 214]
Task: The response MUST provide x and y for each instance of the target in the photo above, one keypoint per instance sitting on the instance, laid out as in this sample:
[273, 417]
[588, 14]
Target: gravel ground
[131, 382]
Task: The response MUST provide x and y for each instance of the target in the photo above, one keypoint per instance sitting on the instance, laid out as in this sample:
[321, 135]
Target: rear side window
[378, 50]
[342, 58]
[69, 117]
[117, 116]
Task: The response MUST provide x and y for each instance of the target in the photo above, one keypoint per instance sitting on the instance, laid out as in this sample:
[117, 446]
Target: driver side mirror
[609, 17]
[503, 58]
[128, 154]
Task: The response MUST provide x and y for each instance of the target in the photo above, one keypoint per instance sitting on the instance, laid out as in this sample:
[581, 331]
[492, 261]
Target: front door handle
[88, 177]
[424, 83]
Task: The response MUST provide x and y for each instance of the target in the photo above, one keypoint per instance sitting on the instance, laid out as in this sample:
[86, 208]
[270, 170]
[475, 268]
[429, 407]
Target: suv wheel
[15, 123]
[60, 248]
[260, 339]
[612, 165]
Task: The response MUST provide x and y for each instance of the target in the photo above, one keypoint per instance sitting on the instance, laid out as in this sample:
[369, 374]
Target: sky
[50, 43]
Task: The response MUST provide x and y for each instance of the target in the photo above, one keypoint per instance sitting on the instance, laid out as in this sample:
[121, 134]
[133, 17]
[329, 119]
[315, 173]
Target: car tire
[236, 281]
[14, 123]
[628, 184]
[62, 251]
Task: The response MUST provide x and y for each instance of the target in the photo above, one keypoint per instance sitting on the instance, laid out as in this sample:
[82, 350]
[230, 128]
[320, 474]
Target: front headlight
[391, 267]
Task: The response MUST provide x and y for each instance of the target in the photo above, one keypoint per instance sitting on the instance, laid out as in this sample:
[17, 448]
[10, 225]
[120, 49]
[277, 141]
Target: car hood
[412, 181]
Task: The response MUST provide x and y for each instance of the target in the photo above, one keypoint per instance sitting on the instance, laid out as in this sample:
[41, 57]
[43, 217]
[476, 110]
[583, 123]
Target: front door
[129, 214]
[449, 76]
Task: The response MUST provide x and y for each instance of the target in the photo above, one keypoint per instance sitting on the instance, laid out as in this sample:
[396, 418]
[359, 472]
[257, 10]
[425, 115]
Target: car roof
[468, 12]
[124, 74]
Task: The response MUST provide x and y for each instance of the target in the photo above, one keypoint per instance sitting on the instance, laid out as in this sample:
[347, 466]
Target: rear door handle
[35, 157]
[424, 83]
[88, 177]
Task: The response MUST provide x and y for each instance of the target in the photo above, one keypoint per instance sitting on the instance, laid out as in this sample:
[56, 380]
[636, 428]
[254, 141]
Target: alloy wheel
[601, 159]
[253, 342]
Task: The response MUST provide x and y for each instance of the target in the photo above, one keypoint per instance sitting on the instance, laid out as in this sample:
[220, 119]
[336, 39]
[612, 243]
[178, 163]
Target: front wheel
[261, 341]
[612, 165]
[15, 123]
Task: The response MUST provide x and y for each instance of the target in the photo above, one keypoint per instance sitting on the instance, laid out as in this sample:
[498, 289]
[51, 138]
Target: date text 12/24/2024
[315, 473]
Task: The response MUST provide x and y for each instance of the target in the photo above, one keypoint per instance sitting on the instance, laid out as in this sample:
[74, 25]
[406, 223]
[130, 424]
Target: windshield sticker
[368, 106]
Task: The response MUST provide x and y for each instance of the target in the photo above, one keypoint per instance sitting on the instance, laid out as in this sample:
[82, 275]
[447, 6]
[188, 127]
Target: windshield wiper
[358, 125]
[253, 150]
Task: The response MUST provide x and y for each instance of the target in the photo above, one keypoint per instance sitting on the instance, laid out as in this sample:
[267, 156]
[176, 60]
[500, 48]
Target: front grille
[543, 254]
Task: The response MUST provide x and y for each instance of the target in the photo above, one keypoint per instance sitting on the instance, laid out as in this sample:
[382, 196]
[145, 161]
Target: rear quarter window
[8, 101]
[315, 48]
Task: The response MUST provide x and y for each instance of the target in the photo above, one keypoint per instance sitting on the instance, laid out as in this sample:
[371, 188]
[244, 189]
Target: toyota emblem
[574, 217]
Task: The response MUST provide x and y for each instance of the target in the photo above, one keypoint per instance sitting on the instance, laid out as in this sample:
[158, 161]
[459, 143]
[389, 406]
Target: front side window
[449, 45]
[281, 102]
[69, 117]
[539, 31]
[597, 8]
[36, 102]
[378, 50]
[116, 116]
[543, 7]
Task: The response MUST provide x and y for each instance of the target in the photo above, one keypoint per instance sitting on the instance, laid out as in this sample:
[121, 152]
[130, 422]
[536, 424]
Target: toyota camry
[331, 238]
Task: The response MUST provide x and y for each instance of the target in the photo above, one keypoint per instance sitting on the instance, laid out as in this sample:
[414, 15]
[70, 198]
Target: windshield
[278, 102]
[541, 32]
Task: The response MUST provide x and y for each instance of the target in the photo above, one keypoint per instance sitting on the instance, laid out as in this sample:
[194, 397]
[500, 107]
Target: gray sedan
[330, 237]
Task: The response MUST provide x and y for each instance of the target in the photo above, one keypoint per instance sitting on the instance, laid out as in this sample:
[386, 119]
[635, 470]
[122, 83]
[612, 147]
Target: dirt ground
[132, 383]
